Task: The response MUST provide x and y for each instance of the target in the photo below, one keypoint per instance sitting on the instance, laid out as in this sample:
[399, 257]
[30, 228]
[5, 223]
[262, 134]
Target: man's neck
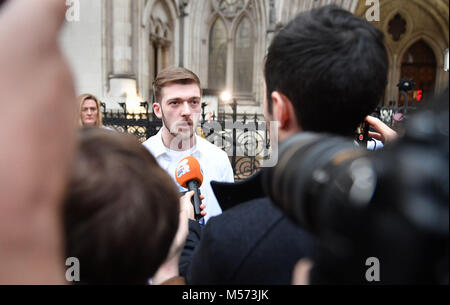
[177, 143]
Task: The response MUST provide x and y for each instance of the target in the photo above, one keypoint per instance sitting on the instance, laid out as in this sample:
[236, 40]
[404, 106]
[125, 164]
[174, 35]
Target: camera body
[362, 134]
[391, 205]
[406, 84]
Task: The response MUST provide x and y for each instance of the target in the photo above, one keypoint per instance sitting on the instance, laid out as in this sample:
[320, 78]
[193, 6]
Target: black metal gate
[246, 141]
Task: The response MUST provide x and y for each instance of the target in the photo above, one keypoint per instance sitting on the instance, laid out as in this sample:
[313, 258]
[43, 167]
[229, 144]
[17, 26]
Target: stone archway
[419, 63]
[425, 20]
[159, 41]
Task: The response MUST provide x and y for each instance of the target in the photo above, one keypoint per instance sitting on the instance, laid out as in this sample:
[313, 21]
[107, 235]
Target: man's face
[180, 109]
[89, 113]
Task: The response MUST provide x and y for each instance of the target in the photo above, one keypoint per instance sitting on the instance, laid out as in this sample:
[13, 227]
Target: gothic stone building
[116, 47]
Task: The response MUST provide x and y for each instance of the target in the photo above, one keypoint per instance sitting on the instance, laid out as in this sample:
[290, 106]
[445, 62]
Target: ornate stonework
[230, 8]
[137, 38]
[397, 27]
[420, 21]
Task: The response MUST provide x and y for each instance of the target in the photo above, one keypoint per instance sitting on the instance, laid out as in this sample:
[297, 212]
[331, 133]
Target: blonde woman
[90, 114]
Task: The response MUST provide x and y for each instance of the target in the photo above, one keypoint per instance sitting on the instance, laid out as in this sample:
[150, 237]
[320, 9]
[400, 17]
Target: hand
[187, 205]
[384, 133]
[38, 134]
[169, 268]
[186, 212]
[300, 275]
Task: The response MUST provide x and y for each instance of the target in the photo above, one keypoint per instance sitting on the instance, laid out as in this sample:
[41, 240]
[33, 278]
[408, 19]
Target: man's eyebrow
[176, 99]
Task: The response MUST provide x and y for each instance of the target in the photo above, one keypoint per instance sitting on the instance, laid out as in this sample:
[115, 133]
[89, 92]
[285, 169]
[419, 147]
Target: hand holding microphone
[189, 175]
[188, 207]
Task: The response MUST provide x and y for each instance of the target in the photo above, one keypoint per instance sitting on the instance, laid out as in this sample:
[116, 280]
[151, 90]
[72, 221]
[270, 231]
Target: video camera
[391, 205]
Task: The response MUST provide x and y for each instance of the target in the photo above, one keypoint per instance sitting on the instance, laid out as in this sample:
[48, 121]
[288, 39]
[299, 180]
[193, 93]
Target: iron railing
[246, 141]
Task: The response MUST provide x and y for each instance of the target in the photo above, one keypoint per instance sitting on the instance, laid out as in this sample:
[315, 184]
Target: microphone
[189, 175]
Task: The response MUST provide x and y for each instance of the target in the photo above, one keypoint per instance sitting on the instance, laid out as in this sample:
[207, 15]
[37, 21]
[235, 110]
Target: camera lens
[305, 164]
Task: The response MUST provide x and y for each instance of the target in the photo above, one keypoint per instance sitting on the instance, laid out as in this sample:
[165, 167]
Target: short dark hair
[173, 75]
[121, 211]
[332, 65]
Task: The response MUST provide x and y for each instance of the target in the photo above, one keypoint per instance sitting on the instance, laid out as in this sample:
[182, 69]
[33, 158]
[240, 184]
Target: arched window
[243, 57]
[161, 44]
[161, 37]
[232, 47]
[419, 63]
[217, 63]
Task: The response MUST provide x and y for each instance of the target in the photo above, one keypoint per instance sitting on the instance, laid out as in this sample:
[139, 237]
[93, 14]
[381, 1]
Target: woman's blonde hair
[88, 96]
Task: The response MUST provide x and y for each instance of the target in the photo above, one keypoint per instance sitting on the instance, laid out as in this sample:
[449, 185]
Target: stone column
[122, 77]
[122, 39]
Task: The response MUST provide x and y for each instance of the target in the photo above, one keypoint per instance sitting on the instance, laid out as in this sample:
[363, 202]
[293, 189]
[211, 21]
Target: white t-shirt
[213, 161]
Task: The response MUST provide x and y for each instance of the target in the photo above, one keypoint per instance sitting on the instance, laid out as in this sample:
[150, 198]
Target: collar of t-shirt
[178, 155]
[158, 148]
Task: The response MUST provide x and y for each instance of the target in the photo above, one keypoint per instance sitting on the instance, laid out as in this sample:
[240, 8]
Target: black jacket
[251, 243]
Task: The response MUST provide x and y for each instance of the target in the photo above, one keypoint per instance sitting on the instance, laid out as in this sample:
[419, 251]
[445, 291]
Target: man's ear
[283, 112]
[157, 110]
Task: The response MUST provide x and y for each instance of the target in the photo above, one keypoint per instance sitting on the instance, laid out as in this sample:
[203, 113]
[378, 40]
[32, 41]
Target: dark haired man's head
[331, 65]
[394, 233]
[121, 210]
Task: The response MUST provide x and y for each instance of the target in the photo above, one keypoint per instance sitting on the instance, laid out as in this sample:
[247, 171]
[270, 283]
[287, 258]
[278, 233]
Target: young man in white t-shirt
[178, 103]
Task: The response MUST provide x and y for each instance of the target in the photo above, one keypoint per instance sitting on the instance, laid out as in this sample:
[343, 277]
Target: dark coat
[251, 243]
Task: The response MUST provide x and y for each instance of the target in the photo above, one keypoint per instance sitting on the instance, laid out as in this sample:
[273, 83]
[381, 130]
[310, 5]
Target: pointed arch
[244, 42]
[204, 15]
[170, 7]
[420, 62]
[237, 21]
[431, 43]
[217, 55]
[158, 40]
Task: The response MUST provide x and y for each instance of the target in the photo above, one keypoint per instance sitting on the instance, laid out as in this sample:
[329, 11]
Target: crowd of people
[71, 189]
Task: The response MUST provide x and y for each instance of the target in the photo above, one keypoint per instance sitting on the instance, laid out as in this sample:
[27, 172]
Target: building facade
[116, 47]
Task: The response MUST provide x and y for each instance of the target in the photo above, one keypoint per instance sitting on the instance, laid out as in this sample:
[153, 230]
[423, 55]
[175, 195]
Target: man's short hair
[173, 75]
[88, 96]
[121, 211]
[332, 65]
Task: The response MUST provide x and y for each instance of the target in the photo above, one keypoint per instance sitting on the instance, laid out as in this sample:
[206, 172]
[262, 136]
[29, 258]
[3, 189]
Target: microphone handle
[195, 200]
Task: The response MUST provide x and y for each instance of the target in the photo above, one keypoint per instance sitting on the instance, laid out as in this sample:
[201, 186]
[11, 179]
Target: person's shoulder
[151, 139]
[242, 226]
[260, 209]
[256, 207]
[148, 143]
[253, 218]
[154, 145]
